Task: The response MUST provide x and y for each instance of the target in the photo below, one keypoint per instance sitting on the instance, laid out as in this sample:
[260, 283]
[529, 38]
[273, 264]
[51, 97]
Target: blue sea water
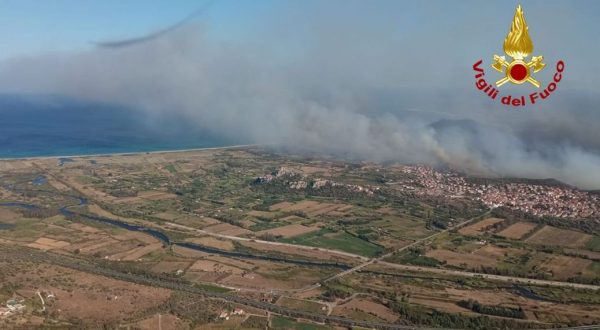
[56, 126]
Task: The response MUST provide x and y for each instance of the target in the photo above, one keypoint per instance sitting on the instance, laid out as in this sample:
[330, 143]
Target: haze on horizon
[376, 80]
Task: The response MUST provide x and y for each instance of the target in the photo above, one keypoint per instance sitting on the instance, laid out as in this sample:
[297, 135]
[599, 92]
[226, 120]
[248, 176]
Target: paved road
[10, 253]
[235, 238]
[502, 278]
[380, 259]
[415, 243]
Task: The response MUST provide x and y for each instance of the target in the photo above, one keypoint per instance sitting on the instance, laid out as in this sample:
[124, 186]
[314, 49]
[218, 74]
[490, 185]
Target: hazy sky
[378, 80]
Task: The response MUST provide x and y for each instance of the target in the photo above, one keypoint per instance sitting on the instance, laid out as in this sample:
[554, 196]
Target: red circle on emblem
[518, 72]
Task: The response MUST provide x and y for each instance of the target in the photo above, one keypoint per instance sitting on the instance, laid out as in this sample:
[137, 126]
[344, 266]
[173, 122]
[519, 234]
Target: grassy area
[255, 322]
[338, 241]
[212, 288]
[565, 295]
[264, 225]
[280, 322]
[416, 259]
[300, 304]
[594, 244]
[171, 168]
[593, 270]
[26, 230]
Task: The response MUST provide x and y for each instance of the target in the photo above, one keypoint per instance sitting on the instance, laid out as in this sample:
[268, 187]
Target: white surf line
[132, 153]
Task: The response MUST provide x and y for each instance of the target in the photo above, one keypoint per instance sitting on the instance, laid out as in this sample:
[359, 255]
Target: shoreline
[133, 153]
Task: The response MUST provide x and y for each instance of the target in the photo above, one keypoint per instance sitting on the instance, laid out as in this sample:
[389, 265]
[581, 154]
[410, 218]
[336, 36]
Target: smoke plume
[351, 81]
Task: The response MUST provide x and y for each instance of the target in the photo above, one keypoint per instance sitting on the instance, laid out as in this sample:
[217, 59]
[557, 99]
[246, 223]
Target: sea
[36, 126]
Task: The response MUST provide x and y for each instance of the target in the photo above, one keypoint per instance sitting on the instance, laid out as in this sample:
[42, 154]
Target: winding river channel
[164, 238]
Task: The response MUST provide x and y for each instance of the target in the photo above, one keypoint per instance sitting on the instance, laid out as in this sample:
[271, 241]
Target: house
[4, 311]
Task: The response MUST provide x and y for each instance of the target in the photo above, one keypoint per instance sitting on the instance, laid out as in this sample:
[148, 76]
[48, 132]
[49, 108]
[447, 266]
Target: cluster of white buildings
[539, 200]
[13, 306]
[236, 312]
[317, 183]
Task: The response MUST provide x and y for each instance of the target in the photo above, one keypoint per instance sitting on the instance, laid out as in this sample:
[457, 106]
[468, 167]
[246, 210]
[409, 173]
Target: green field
[171, 168]
[279, 322]
[212, 288]
[255, 322]
[594, 244]
[338, 241]
[305, 305]
[264, 225]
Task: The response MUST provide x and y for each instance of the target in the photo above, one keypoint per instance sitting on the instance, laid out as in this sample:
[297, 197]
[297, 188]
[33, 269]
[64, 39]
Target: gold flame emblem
[518, 45]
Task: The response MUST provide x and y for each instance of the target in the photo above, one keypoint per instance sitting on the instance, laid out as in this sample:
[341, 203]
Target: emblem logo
[518, 45]
[518, 70]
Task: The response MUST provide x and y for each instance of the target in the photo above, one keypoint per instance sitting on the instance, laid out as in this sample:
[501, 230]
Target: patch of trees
[123, 193]
[585, 280]
[39, 213]
[255, 322]
[192, 308]
[438, 223]
[227, 218]
[415, 256]
[511, 272]
[269, 237]
[477, 307]
[590, 226]
[336, 289]
[420, 316]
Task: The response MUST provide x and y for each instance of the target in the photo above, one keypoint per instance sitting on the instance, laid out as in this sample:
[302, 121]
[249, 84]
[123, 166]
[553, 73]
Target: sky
[29, 27]
[380, 80]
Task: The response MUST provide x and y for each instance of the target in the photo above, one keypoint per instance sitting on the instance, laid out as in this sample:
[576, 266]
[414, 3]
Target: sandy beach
[130, 153]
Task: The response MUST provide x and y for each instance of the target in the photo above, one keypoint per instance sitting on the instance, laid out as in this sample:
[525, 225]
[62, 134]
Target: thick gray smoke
[349, 86]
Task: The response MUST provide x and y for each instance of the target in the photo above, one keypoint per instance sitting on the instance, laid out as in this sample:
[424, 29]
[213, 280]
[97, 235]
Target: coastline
[133, 153]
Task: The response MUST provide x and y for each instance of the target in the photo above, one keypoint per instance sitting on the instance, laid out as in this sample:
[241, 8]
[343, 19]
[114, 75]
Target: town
[536, 199]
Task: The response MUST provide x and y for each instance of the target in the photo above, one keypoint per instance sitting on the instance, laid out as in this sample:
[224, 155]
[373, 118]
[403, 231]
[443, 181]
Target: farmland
[336, 241]
[519, 248]
[562, 237]
[517, 230]
[317, 236]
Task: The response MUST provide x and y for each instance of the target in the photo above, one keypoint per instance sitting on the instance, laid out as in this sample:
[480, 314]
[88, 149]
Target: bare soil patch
[517, 230]
[589, 254]
[44, 243]
[8, 215]
[479, 227]
[213, 266]
[166, 321]
[288, 231]
[300, 252]
[169, 216]
[263, 214]
[170, 266]
[367, 306]
[563, 237]
[227, 229]
[563, 267]
[83, 228]
[136, 253]
[311, 208]
[214, 242]
[301, 304]
[94, 299]
[462, 259]
[292, 218]
[281, 206]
